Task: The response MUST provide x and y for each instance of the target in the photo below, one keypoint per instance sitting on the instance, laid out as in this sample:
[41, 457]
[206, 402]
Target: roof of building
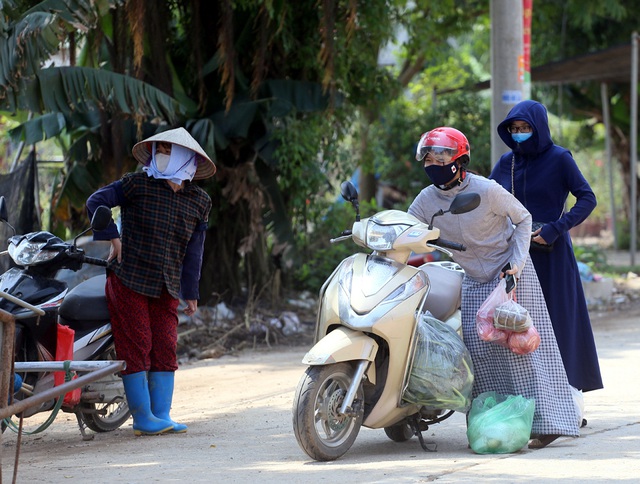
[612, 65]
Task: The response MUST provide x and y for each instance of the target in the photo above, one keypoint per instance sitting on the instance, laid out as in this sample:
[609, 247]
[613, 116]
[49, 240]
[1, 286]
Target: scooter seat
[445, 289]
[85, 304]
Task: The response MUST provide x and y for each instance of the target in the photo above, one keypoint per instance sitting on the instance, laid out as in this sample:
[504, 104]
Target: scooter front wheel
[321, 430]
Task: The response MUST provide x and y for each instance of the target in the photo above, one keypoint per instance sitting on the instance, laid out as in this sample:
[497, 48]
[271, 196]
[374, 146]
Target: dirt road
[238, 409]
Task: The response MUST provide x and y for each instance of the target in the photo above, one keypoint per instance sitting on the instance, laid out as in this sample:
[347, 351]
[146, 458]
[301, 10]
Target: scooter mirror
[101, 218]
[3, 209]
[350, 194]
[348, 191]
[464, 202]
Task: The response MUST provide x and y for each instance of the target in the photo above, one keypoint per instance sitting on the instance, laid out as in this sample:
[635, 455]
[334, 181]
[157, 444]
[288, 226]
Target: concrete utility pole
[634, 147]
[507, 68]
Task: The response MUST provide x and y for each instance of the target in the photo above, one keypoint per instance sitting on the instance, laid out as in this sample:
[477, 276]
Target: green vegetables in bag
[442, 372]
[499, 424]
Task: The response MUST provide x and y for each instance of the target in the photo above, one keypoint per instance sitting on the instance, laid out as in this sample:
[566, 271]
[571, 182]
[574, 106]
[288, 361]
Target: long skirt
[539, 375]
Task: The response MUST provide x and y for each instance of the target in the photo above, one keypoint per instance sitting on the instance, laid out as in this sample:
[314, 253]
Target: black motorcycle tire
[105, 417]
[400, 432]
[322, 432]
[116, 415]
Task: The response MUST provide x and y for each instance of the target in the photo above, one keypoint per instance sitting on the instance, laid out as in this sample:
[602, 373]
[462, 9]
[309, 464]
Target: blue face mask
[520, 137]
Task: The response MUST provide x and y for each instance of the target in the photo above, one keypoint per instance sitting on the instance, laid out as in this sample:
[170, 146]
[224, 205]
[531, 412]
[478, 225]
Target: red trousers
[145, 329]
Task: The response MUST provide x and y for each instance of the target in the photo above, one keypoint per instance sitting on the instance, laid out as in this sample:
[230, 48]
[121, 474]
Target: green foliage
[5, 146]
[585, 139]
[319, 256]
[395, 136]
[595, 257]
[31, 36]
[592, 255]
[623, 229]
[288, 98]
[575, 27]
[455, 53]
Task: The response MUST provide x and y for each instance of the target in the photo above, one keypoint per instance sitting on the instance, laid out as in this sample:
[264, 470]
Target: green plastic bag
[442, 372]
[499, 424]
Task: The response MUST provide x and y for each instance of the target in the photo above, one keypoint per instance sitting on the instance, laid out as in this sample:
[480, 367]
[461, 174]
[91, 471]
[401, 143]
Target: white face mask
[178, 166]
[162, 161]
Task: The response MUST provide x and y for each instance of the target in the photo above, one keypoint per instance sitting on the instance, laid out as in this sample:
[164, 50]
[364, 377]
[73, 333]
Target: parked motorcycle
[38, 302]
[367, 340]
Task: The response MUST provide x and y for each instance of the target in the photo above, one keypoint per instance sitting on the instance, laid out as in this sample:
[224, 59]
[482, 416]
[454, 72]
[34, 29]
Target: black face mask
[440, 175]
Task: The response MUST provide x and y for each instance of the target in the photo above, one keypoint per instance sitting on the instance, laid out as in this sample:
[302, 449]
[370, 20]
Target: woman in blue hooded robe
[541, 175]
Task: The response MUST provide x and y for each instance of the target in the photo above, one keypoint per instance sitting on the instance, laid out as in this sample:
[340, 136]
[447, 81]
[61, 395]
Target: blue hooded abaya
[543, 175]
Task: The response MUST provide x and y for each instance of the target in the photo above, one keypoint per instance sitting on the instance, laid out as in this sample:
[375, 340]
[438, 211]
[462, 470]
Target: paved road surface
[239, 414]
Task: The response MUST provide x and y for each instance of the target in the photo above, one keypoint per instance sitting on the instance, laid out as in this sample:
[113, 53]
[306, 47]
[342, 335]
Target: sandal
[542, 441]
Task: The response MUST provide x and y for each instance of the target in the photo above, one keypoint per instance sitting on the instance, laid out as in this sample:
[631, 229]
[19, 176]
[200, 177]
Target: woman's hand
[116, 250]
[192, 307]
[509, 271]
[535, 237]
[512, 271]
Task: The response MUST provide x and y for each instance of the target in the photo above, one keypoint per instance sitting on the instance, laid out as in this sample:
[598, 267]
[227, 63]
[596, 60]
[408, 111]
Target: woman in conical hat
[155, 260]
[143, 151]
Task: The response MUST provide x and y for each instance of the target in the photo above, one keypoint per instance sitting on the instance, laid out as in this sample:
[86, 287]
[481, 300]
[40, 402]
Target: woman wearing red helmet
[445, 152]
[495, 234]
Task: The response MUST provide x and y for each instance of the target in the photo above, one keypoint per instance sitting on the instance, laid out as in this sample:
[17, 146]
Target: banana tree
[134, 70]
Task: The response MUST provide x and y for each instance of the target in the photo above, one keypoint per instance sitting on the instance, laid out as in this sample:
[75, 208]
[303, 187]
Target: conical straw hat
[179, 136]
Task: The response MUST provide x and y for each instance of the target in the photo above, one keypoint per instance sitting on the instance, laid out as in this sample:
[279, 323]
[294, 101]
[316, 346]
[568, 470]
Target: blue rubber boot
[17, 384]
[161, 391]
[144, 422]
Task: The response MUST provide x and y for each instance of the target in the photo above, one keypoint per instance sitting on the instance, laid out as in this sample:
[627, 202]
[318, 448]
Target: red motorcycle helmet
[444, 140]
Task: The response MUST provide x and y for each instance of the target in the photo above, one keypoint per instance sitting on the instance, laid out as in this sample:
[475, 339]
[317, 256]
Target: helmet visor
[437, 151]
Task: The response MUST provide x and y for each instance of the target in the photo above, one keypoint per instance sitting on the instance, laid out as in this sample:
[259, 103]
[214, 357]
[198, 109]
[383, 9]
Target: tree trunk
[236, 257]
[367, 183]
[621, 152]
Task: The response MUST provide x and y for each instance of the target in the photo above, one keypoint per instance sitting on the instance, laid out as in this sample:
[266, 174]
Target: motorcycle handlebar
[449, 245]
[95, 261]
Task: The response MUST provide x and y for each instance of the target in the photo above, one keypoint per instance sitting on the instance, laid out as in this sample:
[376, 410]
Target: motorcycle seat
[445, 289]
[85, 304]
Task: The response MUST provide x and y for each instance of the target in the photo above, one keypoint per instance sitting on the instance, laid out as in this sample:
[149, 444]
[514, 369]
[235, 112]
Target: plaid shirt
[157, 226]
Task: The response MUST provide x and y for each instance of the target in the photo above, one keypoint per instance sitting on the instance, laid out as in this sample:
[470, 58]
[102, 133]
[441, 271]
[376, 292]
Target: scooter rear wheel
[101, 417]
[105, 417]
[321, 430]
[400, 432]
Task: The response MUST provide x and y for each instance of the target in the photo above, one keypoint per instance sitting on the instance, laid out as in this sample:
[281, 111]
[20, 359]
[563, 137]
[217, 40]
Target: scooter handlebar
[95, 261]
[346, 234]
[447, 244]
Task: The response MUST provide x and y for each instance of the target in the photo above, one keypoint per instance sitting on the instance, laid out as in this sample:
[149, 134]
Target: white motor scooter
[367, 332]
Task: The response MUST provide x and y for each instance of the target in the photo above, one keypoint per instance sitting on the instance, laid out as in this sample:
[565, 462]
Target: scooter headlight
[28, 253]
[382, 237]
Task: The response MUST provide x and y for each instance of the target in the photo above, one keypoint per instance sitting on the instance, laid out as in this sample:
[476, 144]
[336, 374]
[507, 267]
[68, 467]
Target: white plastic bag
[578, 400]
[442, 371]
